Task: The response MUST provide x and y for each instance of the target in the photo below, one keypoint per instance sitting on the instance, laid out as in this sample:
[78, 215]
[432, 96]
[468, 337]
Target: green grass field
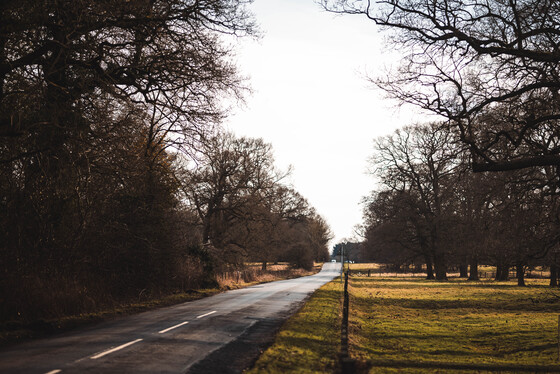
[408, 324]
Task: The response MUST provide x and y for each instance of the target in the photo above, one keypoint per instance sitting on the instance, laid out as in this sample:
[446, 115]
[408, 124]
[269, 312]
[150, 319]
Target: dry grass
[415, 325]
[484, 271]
[73, 316]
[253, 274]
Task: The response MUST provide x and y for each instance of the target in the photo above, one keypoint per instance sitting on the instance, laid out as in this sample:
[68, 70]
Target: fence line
[347, 364]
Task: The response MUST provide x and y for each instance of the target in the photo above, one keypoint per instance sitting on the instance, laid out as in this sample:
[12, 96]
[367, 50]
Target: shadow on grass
[480, 305]
[415, 282]
[404, 364]
[309, 340]
[504, 298]
[301, 353]
[426, 352]
[533, 348]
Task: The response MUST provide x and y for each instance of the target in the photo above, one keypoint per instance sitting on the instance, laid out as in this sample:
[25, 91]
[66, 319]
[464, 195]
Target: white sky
[312, 102]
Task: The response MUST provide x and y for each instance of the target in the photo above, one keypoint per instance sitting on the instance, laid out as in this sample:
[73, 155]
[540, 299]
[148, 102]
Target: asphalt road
[222, 333]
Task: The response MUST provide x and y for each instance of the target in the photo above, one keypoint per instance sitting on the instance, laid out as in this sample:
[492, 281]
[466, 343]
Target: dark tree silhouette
[92, 96]
[491, 68]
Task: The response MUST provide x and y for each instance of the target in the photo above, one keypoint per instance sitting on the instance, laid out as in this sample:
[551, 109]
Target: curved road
[222, 333]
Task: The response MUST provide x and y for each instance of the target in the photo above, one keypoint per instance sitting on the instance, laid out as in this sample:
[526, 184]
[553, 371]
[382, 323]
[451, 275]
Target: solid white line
[114, 349]
[207, 314]
[173, 327]
[54, 371]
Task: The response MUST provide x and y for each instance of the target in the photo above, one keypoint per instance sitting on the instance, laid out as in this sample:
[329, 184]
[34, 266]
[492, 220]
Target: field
[408, 324]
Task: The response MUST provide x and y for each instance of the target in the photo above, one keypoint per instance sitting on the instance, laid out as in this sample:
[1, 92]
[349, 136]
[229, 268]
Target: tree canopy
[489, 67]
[116, 179]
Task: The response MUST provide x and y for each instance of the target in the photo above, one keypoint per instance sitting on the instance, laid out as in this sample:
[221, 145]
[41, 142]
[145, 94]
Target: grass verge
[309, 342]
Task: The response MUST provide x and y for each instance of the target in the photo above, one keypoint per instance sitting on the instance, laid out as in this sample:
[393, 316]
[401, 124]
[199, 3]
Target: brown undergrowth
[73, 301]
[254, 274]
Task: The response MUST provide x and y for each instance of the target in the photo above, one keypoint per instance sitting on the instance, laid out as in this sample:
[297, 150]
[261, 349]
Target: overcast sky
[313, 103]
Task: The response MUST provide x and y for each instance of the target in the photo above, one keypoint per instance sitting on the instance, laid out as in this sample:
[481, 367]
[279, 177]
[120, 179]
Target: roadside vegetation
[118, 184]
[251, 274]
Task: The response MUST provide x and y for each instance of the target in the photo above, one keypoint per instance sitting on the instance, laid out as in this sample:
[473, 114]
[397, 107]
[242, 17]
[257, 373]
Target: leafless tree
[489, 67]
[421, 161]
[244, 209]
[92, 96]
[229, 174]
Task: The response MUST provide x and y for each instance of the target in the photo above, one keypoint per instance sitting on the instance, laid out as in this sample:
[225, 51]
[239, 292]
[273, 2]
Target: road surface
[222, 333]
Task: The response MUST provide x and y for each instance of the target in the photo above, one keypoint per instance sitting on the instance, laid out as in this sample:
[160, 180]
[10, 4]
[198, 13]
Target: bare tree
[244, 209]
[230, 174]
[490, 67]
[92, 95]
[421, 161]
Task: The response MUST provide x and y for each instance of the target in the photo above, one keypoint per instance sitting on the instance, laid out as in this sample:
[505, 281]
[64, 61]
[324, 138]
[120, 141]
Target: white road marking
[207, 314]
[99, 355]
[173, 327]
[54, 371]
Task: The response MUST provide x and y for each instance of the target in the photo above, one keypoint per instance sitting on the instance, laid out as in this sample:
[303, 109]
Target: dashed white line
[173, 327]
[99, 355]
[207, 314]
[54, 371]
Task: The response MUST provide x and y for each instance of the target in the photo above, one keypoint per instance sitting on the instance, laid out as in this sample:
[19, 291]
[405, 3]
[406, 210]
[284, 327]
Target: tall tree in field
[524, 221]
[474, 202]
[395, 232]
[422, 161]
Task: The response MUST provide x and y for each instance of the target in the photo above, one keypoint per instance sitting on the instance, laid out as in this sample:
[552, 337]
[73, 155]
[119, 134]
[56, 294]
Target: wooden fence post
[347, 364]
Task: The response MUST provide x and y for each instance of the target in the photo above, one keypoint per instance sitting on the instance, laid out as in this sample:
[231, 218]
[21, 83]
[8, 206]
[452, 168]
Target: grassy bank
[425, 326]
[14, 331]
[310, 341]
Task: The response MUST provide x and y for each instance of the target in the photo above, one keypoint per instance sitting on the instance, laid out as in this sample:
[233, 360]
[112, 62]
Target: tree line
[481, 182]
[432, 209]
[115, 178]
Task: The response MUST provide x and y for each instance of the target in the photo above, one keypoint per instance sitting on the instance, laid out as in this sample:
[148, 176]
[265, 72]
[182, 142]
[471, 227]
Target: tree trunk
[473, 267]
[520, 273]
[502, 272]
[464, 269]
[264, 265]
[429, 268]
[440, 267]
[553, 275]
[206, 230]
